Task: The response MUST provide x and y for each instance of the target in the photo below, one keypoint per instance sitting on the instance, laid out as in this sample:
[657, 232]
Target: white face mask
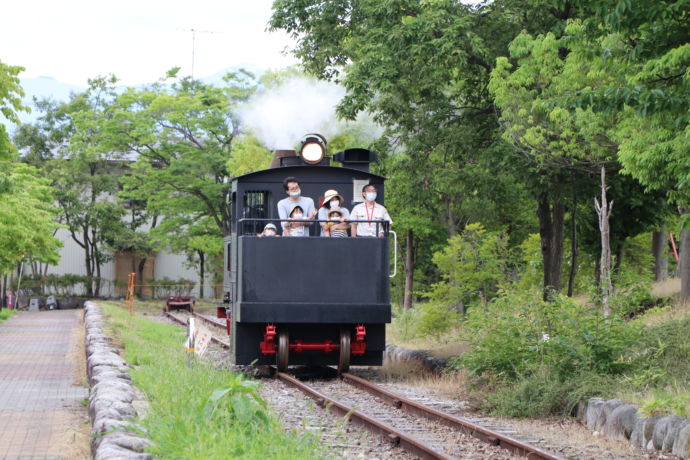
[270, 233]
[297, 216]
[335, 204]
[335, 219]
[371, 196]
[296, 193]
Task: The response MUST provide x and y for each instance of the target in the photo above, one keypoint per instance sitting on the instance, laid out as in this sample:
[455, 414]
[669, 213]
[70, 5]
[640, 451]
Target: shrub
[436, 319]
[518, 333]
[543, 393]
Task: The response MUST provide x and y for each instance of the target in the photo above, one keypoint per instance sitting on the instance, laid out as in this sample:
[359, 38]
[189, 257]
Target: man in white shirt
[369, 210]
[294, 198]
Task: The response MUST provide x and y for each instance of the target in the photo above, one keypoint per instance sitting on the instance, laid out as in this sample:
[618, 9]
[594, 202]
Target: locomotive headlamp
[313, 148]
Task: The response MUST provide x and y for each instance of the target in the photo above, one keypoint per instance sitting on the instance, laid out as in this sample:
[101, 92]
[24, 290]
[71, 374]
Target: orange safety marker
[130, 292]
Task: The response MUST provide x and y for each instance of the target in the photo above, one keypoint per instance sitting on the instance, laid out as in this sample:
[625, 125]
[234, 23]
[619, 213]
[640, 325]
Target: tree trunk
[140, 273]
[3, 292]
[684, 266]
[89, 264]
[201, 274]
[409, 270]
[620, 250]
[573, 249]
[551, 220]
[450, 222]
[604, 212]
[659, 252]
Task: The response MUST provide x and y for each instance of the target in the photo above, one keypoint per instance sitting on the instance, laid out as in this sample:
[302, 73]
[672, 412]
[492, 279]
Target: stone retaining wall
[394, 354]
[617, 420]
[114, 435]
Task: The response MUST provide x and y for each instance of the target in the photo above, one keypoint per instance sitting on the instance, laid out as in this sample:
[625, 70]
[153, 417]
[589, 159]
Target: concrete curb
[618, 420]
[114, 434]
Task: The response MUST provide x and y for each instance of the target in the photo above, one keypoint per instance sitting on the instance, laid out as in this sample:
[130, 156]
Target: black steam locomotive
[306, 300]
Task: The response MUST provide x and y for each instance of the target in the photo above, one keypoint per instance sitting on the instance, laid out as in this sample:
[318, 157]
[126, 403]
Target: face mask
[335, 204]
[270, 233]
[335, 219]
[371, 196]
[295, 194]
[297, 216]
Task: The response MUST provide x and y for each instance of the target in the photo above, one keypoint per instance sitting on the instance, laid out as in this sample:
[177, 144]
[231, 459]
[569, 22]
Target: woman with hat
[331, 200]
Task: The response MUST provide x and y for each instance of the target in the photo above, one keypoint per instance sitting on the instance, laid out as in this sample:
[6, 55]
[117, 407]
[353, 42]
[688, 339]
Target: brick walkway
[42, 387]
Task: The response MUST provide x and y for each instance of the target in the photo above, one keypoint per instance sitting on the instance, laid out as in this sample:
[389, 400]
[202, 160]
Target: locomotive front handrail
[395, 254]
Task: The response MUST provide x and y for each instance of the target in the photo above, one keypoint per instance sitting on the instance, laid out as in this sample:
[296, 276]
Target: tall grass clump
[541, 357]
[199, 412]
[5, 313]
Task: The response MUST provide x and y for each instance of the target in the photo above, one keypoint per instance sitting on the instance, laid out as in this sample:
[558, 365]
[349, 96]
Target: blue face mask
[296, 194]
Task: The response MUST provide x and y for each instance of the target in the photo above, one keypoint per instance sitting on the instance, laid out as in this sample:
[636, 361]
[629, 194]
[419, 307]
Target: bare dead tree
[604, 212]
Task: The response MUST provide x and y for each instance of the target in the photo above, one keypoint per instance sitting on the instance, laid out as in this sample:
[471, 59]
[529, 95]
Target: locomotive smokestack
[278, 154]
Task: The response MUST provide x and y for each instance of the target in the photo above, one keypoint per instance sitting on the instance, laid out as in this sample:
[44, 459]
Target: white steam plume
[280, 116]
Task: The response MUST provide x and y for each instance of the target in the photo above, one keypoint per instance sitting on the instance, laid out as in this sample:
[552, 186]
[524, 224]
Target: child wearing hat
[336, 226]
[296, 228]
[269, 230]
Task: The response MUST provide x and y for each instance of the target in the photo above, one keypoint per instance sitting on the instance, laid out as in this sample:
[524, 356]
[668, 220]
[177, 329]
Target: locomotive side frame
[308, 298]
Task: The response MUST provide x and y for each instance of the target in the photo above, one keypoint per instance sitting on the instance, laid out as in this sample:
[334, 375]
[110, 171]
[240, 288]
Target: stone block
[594, 408]
[665, 424]
[621, 422]
[681, 446]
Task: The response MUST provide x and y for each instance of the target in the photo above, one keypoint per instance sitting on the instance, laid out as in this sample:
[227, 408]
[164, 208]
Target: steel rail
[184, 323]
[388, 433]
[209, 320]
[412, 407]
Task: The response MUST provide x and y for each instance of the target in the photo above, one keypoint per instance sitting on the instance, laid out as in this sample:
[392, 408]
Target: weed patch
[5, 313]
[199, 412]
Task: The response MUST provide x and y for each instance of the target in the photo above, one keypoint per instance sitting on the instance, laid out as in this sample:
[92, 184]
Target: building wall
[164, 264]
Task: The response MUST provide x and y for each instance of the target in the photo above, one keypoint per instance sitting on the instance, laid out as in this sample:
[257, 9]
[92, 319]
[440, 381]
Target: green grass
[198, 412]
[5, 313]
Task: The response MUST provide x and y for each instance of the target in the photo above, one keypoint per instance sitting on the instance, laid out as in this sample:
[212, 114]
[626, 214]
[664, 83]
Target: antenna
[194, 32]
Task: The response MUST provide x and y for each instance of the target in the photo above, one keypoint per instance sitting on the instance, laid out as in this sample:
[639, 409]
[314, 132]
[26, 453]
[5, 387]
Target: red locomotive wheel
[283, 351]
[344, 361]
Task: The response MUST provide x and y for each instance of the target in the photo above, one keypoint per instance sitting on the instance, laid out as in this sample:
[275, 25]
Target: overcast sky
[137, 40]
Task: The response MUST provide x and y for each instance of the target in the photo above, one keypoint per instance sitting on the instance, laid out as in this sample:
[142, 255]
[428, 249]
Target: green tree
[11, 94]
[182, 136]
[645, 45]
[422, 69]
[27, 224]
[65, 143]
[27, 217]
[473, 266]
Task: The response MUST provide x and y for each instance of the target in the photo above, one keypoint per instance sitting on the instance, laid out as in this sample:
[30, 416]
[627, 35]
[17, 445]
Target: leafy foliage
[473, 266]
[27, 217]
[518, 333]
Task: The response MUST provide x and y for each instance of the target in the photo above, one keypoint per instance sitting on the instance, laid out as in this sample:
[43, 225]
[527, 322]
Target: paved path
[42, 386]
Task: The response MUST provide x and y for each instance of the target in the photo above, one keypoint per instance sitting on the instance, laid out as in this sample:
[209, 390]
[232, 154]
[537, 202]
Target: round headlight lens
[312, 152]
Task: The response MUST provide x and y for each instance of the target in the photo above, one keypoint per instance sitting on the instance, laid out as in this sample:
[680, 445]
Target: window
[255, 206]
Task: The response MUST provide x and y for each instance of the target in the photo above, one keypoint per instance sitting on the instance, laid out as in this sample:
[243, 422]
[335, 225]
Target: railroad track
[401, 417]
[206, 319]
[397, 422]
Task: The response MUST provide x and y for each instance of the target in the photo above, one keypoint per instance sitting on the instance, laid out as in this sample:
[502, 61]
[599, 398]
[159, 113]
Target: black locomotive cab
[308, 300]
